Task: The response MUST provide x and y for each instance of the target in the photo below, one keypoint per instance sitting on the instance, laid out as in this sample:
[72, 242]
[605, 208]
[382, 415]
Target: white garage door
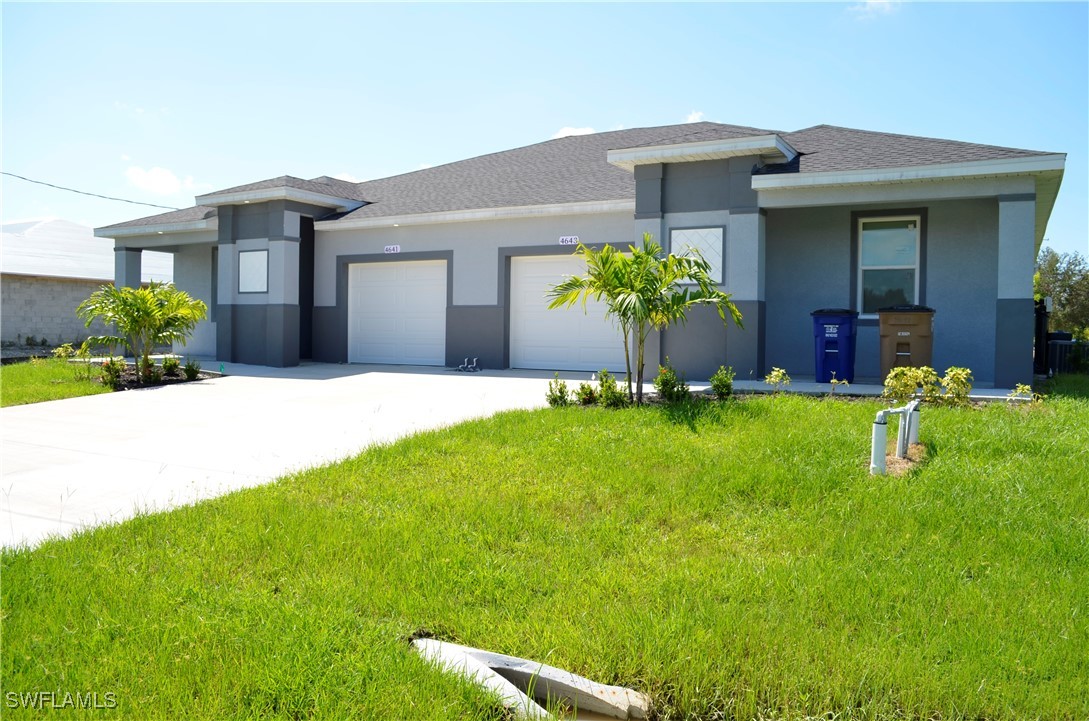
[560, 339]
[397, 313]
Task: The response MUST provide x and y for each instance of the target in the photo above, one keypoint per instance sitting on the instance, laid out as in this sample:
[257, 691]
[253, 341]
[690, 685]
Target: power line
[82, 192]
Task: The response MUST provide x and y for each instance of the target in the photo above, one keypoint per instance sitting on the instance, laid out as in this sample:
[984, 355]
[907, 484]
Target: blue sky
[161, 102]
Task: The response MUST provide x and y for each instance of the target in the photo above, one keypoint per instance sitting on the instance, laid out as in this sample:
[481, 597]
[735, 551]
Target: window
[888, 262]
[707, 241]
[253, 271]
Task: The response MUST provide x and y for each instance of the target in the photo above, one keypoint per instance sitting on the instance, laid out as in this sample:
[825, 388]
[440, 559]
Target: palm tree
[642, 290]
[143, 318]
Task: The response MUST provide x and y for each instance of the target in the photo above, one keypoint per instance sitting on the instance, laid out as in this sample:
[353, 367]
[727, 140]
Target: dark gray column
[126, 267]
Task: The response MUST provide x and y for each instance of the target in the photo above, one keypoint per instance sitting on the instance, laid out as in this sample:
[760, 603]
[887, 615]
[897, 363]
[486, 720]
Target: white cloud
[348, 177]
[873, 8]
[160, 181]
[694, 117]
[566, 131]
[125, 158]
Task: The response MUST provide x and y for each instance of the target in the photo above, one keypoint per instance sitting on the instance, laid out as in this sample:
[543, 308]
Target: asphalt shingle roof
[566, 170]
[185, 215]
[324, 185]
[576, 169]
[829, 148]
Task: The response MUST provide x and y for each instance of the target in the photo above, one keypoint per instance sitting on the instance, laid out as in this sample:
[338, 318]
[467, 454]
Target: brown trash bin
[907, 336]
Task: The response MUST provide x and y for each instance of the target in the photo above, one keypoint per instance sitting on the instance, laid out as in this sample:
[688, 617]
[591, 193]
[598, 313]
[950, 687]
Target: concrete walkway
[101, 459]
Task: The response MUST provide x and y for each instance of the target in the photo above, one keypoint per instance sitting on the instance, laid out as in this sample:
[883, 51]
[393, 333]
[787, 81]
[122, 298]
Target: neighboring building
[453, 261]
[48, 268]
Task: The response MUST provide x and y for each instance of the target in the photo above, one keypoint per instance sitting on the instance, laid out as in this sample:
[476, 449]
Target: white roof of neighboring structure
[61, 249]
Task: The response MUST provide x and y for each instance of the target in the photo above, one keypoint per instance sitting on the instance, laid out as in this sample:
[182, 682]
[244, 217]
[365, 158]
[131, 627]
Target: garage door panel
[563, 338]
[397, 313]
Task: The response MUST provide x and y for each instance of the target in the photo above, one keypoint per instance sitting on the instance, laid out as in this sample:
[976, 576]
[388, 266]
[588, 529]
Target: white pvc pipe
[877, 447]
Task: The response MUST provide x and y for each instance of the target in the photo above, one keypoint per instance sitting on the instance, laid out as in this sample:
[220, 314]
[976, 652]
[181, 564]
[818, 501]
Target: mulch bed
[131, 381]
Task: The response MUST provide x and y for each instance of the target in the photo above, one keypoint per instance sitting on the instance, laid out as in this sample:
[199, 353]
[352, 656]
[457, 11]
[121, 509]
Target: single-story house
[47, 268]
[453, 261]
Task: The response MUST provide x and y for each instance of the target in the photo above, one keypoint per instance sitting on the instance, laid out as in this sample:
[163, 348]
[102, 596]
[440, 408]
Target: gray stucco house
[432, 266]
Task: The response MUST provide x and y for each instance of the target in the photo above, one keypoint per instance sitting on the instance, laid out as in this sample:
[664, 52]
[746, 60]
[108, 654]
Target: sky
[162, 102]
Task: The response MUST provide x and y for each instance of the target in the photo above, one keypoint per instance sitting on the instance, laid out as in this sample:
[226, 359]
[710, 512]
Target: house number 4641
[392, 249]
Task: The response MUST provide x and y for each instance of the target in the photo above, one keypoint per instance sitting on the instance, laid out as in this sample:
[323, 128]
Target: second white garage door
[397, 313]
[561, 339]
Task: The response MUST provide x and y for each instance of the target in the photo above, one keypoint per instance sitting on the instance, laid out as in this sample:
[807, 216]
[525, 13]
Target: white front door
[564, 338]
[397, 312]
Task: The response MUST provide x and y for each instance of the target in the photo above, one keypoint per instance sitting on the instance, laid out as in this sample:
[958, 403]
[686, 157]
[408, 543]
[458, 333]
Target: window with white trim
[706, 241]
[888, 262]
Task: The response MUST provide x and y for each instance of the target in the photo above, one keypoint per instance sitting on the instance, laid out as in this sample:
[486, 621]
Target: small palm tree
[143, 318]
[642, 290]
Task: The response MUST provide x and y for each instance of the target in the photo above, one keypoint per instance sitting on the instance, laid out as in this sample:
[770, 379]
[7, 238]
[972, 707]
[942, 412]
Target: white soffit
[458, 216]
[870, 176]
[765, 145]
[189, 226]
[281, 193]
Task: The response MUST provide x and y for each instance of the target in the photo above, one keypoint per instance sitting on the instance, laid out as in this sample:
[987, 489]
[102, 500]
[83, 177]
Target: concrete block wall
[44, 308]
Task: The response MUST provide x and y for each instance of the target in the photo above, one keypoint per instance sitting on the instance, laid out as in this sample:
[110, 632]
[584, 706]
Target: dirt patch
[896, 466]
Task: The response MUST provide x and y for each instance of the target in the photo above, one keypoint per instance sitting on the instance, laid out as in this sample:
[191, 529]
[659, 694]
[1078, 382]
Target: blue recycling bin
[834, 332]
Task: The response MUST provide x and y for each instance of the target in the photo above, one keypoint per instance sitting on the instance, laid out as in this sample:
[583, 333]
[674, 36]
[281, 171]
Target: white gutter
[188, 226]
[281, 193]
[628, 158]
[1005, 166]
[460, 216]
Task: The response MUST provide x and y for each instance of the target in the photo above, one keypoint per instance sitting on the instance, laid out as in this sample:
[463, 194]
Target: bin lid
[906, 309]
[835, 311]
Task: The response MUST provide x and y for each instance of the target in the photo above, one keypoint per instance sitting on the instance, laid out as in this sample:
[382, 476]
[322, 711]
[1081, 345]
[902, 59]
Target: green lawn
[46, 380]
[735, 562]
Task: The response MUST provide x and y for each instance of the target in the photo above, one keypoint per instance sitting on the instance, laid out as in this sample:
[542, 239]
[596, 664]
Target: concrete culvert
[529, 688]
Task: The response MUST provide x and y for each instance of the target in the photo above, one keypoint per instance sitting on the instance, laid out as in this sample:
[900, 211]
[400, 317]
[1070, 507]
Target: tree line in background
[1065, 279]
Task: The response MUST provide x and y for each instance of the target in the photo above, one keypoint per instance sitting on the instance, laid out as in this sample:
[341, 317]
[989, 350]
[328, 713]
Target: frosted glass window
[253, 271]
[888, 262]
[706, 241]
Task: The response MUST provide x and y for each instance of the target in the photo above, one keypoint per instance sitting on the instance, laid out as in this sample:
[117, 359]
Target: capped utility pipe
[907, 433]
[877, 445]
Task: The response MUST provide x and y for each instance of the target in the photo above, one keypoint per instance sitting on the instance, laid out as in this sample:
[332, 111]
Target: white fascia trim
[1005, 166]
[190, 226]
[461, 216]
[283, 193]
[628, 158]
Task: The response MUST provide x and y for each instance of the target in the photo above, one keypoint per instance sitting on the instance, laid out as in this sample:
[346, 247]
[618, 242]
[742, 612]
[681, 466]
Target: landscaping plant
[609, 393]
[64, 351]
[644, 289]
[778, 379]
[670, 386]
[143, 318]
[722, 382]
[557, 395]
[191, 369]
[905, 383]
[171, 366]
[586, 394]
[956, 385]
[112, 370]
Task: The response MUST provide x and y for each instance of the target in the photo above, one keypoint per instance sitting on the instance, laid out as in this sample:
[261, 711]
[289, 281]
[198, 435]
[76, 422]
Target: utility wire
[93, 195]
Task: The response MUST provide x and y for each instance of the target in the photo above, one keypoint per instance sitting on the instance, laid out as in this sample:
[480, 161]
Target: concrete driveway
[100, 459]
